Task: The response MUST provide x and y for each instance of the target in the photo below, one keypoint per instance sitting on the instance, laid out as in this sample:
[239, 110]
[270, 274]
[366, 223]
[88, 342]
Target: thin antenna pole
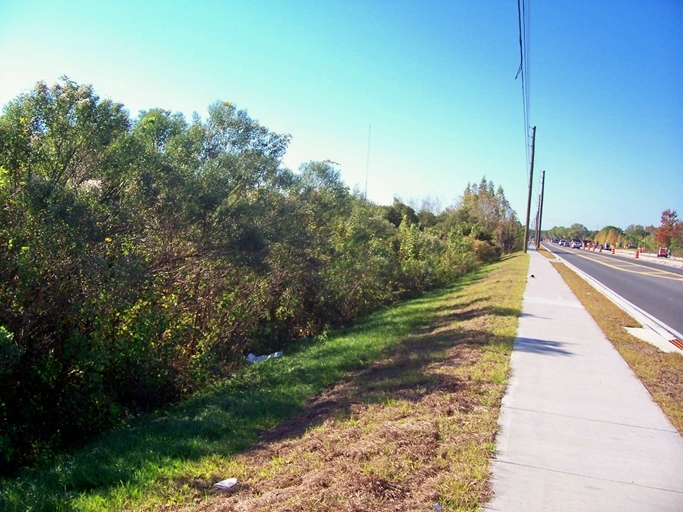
[367, 163]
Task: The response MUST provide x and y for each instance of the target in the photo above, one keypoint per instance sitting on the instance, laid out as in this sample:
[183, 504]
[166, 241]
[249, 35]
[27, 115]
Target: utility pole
[531, 183]
[537, 231]
[540, 211]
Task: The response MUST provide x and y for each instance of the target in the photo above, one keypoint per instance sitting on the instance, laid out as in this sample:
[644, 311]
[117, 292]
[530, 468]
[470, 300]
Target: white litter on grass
[437, 506]
[251, 358]
[226, 484]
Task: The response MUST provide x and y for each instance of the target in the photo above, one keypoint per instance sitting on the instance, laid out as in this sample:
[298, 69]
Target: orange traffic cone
[636, 253]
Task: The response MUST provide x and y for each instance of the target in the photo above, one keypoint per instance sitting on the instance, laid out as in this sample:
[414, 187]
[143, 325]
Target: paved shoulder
[578, 431]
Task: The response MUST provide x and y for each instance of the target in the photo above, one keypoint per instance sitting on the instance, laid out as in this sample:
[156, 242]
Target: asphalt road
[654, 288]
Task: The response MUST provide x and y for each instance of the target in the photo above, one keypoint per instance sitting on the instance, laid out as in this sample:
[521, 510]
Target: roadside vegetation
[661, 373]
[545, 252]
[399, 410]
[142, 259]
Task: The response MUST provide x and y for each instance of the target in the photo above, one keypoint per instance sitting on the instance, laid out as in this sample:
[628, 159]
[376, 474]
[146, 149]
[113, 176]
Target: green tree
[611, 235]
[399, 211]
[577, 232]
[489, 208]
[635, 234]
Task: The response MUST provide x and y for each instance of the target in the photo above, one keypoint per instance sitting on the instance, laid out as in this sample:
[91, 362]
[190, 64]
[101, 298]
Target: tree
[398, 211]
[669, 229]
[634, 234]
[609, 234]
[577, 232]
[60, 134]
[491, 210]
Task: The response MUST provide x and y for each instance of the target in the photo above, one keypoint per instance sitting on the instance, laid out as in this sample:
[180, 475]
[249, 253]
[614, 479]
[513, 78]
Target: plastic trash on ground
[226, 484]
[251, 358]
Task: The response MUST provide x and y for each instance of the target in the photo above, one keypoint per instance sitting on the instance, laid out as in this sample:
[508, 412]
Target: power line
[524, 24]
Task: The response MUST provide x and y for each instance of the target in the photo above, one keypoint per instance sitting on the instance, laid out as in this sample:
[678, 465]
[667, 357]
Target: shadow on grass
[409, 375]
[262, 399]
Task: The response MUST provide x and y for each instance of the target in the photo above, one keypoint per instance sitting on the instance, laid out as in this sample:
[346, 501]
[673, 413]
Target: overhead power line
[524, 23]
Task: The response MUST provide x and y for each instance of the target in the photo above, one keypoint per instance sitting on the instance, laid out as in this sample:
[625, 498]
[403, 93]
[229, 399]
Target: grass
[545, 252]
[399, 409]
[660, 372]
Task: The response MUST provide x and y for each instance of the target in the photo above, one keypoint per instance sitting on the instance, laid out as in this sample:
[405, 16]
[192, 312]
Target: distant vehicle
[564, 243]
[576, 244]
[631, 246]
[663, 252]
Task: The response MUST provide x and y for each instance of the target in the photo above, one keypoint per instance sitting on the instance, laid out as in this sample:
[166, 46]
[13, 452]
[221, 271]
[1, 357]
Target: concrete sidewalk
[578, 431]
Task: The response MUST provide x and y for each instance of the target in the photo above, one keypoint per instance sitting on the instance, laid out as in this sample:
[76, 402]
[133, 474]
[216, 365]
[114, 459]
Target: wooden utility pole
[537, 229]
[540, 211]
[531, 183]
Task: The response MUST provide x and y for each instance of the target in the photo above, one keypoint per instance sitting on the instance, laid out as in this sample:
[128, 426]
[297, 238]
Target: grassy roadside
[400, 409]
[545, 252]
[661, 373]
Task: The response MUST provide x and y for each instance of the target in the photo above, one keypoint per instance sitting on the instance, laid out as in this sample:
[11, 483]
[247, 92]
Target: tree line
[144, 258]
[668, 234]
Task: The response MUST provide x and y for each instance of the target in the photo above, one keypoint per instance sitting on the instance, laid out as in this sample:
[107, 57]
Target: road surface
[654, 288]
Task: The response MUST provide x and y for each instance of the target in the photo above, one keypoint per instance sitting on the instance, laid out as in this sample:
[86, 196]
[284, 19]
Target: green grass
[413, 429]
[169, 457]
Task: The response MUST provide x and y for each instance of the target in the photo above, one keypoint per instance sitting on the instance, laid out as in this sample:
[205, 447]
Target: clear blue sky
[435, 79]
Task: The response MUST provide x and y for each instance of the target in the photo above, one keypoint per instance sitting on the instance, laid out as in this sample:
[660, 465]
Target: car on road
[663, 252]
[576, 244]
[564, 243]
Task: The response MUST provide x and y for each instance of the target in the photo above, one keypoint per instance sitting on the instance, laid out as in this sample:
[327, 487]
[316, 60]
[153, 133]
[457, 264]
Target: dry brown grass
[545, 252]
[661, 373]
[412, 430]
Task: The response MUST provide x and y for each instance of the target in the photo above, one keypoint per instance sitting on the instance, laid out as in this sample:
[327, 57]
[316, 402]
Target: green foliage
[635, 234]
[132, 465]
[486, 252]
[399, 212]
[487, 211]
[142, 259]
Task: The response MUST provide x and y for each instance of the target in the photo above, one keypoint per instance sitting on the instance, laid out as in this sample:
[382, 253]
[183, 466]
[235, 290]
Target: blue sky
[435, 79]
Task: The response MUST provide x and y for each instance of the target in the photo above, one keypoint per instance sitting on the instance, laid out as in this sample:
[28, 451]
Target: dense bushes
[142, 259]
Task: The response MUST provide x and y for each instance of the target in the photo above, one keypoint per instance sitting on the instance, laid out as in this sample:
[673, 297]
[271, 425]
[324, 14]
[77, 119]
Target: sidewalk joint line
[591, 419]
[677, 491]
